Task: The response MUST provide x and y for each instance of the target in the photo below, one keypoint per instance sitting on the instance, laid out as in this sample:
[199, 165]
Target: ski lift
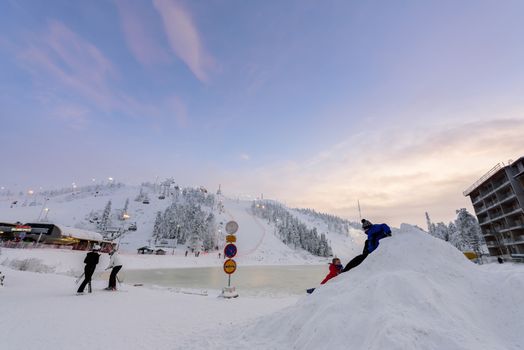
[145, 201]
[161, 197]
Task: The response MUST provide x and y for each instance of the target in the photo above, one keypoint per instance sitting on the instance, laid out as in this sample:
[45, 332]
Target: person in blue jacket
[375, 233]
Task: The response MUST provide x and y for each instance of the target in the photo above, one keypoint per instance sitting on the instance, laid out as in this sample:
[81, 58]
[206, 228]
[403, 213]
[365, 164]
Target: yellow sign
[230, 266]
[231, 238]
[471, 255]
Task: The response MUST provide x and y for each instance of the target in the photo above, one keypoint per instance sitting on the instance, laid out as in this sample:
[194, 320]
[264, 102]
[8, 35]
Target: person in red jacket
[334, 269]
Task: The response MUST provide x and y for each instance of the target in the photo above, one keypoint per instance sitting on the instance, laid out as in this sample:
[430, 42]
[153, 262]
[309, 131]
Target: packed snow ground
[40, 311]
[413, 292]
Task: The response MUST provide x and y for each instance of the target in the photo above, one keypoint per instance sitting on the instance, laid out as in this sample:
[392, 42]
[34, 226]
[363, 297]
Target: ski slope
[257, 242]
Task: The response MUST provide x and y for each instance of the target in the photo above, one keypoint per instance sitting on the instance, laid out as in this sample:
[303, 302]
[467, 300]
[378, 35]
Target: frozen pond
[251, 280]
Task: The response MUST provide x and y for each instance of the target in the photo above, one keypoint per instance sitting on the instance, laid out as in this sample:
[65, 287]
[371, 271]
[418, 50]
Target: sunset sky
[399, 104]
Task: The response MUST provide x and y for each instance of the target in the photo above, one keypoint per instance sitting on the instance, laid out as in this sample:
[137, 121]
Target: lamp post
[46, 212]
[43, 208]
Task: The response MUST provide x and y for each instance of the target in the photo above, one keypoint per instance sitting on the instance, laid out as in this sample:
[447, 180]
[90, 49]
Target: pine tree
[442, 231]
[468, 231]
[454, 237]
[431, 226]
[157, 226]
[105, 221]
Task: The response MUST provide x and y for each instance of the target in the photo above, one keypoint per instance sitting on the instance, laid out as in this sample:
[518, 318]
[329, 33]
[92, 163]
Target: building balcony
[518, 175]
[512, 228]
[495, 188]
[514, 210]
[495, 204]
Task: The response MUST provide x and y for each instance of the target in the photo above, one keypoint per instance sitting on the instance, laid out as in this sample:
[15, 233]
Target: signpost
[231, 227]
[230, 250]
[230, 265]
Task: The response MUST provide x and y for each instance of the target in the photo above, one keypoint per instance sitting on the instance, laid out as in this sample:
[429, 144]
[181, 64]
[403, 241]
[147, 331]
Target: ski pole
[79, 278]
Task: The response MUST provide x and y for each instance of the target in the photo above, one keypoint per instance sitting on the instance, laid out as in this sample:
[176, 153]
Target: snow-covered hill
[414, 292]
[257, 241]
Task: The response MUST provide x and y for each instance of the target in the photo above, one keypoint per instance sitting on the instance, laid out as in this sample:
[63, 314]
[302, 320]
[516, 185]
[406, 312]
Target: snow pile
[30, 264]
[413, 292]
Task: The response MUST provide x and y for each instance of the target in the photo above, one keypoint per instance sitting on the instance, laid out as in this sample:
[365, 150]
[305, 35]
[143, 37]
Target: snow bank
[414, 292]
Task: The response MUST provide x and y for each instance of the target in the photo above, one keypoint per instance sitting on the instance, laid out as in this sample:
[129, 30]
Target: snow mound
[30, 264]
[413, 292]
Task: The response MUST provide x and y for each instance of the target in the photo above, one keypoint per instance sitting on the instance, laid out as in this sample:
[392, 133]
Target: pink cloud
[63, 59]
[138, 34]
[184, 38]
[73, 61]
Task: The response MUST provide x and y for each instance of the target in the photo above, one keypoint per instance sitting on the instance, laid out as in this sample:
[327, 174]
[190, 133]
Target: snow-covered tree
[157, 226]
[105, 220]
[290, 230]
[140, 196]
[442, 231]
[468, 231]
[431, 226]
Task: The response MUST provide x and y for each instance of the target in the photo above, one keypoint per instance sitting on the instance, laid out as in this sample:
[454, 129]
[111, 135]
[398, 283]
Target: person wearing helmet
[375, 233]
[91, 261]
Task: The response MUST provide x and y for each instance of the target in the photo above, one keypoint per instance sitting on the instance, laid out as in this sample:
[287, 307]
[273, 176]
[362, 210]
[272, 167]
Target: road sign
[231, 227]
[231, 238]
[230, 250]
[230, 266]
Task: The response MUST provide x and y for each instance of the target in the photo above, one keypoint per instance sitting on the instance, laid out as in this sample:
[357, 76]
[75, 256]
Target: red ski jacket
[334, 270]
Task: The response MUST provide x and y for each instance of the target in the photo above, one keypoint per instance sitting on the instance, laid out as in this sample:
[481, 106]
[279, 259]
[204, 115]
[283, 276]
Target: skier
[335, 267]
[91, 260]
[115, 264]
[375, 233]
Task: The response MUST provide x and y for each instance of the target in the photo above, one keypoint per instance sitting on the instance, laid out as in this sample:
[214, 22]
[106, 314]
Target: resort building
[498, 201]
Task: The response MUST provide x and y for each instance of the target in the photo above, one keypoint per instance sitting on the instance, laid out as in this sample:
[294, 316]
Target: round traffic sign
[231, 238]
[230, 266]
[231, 227]
[230, 250]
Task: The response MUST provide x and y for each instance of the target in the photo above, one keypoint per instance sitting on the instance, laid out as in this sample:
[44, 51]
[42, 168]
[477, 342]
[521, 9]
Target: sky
[400, 105]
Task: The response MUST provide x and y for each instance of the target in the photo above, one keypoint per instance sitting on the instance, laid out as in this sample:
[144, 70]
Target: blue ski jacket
[376, 233]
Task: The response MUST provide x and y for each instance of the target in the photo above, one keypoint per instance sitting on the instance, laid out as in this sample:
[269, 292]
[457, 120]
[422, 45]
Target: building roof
[81, 234]
[483, 179]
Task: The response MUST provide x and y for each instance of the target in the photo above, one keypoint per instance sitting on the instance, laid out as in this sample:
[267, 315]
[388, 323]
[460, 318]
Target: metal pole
[229, 281]
[359, 213]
